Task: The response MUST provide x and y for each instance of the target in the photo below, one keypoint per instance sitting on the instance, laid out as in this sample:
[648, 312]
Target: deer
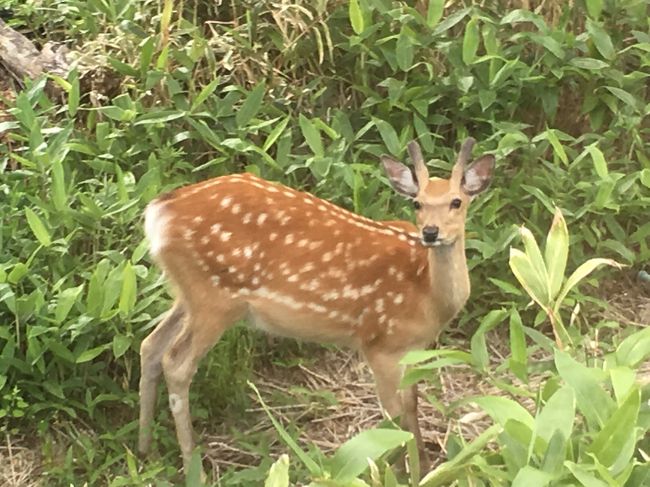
[239, 247]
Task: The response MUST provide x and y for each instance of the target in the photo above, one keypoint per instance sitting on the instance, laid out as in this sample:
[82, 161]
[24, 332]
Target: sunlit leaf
[556, 252]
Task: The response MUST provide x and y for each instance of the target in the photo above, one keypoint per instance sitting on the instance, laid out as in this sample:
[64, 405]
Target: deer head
[440, 204]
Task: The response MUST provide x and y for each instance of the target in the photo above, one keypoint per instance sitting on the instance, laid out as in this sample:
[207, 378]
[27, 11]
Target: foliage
[311, 93]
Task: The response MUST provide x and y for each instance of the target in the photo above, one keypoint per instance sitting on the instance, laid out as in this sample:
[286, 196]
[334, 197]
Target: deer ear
[478, 175]
[401, 177]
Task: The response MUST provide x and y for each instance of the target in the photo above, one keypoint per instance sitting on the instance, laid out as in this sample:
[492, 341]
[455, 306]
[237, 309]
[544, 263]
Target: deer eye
[417, 205]
[455, 203]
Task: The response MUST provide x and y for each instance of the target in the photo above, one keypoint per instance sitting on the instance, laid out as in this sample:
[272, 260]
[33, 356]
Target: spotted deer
[238, 246]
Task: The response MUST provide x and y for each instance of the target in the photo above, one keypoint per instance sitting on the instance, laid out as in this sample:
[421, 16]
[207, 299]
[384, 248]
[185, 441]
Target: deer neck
[449, 280]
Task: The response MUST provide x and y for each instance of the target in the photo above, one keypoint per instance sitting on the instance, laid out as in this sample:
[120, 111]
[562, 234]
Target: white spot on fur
[261, 218]
[399, 299]
[225, 236]
[247, 218]
[273, 236]
[288, 239]
[215, 280]
[205, 240]
[175, 403]
[221, 259]
[236, 208]
[225, 203]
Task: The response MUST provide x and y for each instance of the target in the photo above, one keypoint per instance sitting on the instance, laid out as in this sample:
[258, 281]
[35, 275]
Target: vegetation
[310, 94]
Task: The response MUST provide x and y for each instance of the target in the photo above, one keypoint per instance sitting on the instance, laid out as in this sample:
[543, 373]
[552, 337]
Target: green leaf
[356, 17]
[121, 344]
[584, 476]
[644, 177]
[601, 39]
[592, 400]
[622, 95]
[588, 63]
[502, 410]
[528, 476]
[73, 94]
[478, 345]
[535, 255]
[470, 41]
[594, 8]
[558, 149]
[38, 228]
[388, 135]
[556, 252]
[623, 379]
[59, 196]
[277, 131]
[311, 135]
[581, 272]
[251, 105]
[158, 116]
[66, 300]
[88, 355]
[434, 12]
[128, 291]
[524, 271]
[404, 49]
[558, 414]
[634, 349]
[351, 459]
[600, 165]
[278, 473]
[205, 93]
[519, 359]
[614, 445]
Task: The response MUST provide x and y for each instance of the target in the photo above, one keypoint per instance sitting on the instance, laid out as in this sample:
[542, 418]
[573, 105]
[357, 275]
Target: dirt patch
[19, 465]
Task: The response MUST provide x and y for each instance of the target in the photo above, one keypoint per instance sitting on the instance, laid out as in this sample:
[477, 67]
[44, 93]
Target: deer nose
[430, 233]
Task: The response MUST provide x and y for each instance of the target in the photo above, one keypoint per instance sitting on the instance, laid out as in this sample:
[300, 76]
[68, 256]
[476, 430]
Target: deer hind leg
[201, 331]
[396, 403]
[151, 352]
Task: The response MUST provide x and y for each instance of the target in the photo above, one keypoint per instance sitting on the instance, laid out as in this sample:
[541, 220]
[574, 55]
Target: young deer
[239, 246]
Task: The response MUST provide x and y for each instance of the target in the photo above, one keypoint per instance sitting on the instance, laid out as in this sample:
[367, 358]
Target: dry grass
[19, 465]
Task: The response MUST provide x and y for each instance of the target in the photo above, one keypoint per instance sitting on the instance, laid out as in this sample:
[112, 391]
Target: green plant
[543, 277]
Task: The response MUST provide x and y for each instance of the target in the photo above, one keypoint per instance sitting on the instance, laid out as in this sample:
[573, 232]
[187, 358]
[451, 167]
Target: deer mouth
[439, 242]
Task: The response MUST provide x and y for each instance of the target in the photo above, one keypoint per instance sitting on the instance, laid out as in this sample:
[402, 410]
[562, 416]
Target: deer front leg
[396, 403]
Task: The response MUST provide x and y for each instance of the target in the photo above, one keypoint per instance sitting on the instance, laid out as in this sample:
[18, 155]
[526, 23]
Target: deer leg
[151, 352]
[388, 375]
[180, 361]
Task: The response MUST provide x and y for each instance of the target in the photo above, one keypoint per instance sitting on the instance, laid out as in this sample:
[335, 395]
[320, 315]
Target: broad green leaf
[634, 349]
[558, 149]
[205, 93]
[588, 63]
[601, 39]
[519, 359]
[251, 105]
[121, 344]
[644, 177]
[504, 73]
[535, 255]
[592, 400]
[356, 17]
[38, 228]
[278, 473]
[529, 476]
[622, 95]
[600, 165]
[581, 272]
[584, 476]
[311, 135]
[502, 409]
[73, 94]
[388, 135]
[17, 273]
[623, 378]
[66, 300]
[351, 459]
[129, 290]
[404, 49]
[525, 272]
[88, 355]
[59, 196]
[556, 252]
[434, 12]
[555, 453]
[478, 345]
[614, 445]
[594, 8]
[557, 414]
[470, 41]
[277, 131]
